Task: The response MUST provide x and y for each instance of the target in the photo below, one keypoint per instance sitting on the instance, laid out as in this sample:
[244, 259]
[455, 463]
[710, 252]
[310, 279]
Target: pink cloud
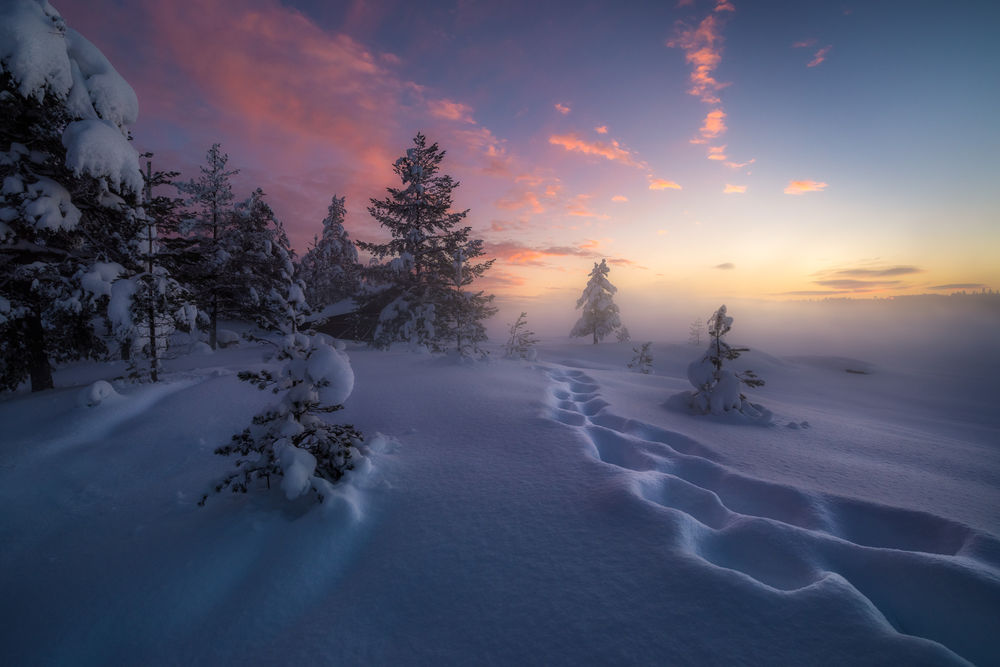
[805, 43]
[819, 57]
[601, 129]
[610, 151]
[662, 184]
[734, 189]
[619, 198]
[702, 46]
[716, 152]
[802, 187]
[578, 207]
[714, 124]
[740, 165]
[450, 110]
[562, 108]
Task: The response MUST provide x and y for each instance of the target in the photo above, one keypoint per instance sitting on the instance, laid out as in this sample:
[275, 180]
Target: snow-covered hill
[557, 512]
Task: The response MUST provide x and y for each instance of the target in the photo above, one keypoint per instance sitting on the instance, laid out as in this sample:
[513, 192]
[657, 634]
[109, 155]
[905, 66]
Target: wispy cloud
[851, 285]
[702, 46]
[805, 43]
[451, 110]
[734, 189]
[619, 198]
[608, 150]
[663, 184]
[725, 266]
[717, 152]
[819, 57]
[578, 207]
[802, 187]
[515, 252]
[740, 165]
[877, 273]
[562, 108]
[601, 129]
[953, 286]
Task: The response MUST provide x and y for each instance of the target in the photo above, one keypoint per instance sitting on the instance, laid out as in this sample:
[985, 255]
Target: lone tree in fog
[600, 314]
[718, 388]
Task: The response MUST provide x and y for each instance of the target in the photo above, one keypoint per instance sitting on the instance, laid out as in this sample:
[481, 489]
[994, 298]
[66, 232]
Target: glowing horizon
[708, 148]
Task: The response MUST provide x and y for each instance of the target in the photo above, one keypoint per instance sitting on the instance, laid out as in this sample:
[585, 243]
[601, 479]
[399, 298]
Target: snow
[507, 512]
[99, 279]
[50, 205]
[329, 366]
[96, 393]
[33, 48]
[96, 148]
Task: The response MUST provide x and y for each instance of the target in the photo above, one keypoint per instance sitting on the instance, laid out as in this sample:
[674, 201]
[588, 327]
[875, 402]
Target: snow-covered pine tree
[330, 269]
[461, 313]
[643, 359]
[522, 340]
[145, 306]
[411, 282]
[258, 282]
[70, 181]
[290, 440]
[718, 388]
[695, 332]
[600, 314]
[211, 203]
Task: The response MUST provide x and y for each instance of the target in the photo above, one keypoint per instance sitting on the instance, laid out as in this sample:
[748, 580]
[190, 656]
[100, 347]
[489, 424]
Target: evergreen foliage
[417, 277]
[623, 335]
[600, 314]
[70, 181]
[330, 269]
[208, 229]
[290, 441]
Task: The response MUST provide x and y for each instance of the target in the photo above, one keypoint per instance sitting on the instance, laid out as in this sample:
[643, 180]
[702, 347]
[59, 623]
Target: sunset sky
[724, 149]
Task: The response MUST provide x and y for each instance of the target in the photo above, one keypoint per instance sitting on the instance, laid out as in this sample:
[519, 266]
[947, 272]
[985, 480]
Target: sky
[719, 149]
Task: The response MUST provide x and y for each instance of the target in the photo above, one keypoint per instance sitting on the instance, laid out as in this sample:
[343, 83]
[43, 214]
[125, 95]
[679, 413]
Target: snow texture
[551, 513]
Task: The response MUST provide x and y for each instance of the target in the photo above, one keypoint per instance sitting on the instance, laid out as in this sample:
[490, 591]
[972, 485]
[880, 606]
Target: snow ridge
[916, 573]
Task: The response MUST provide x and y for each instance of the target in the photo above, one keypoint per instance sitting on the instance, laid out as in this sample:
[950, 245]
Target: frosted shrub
[290, 440]
[521, 343]
[718, 389]
[643, 359]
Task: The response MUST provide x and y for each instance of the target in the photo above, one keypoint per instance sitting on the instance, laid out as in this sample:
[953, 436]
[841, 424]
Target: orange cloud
[601, 129]
[450, 110]
[663, 184]
[802, 187]
[734, 189]
[523, 201]
[819, 57]
[714, 124]
[609, 151]
[578, 207]
[740, 165]
[702, 46]
[717, 153]
[562, 108]
[619, 198]
[725, 6]
[515, 252]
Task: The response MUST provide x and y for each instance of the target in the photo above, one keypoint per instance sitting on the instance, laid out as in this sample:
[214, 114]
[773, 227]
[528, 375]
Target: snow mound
[96, 394]
[227, 338]
[331, 370]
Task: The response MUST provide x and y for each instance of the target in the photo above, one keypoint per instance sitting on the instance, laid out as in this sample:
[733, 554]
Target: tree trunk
[38, 360]
[595, 336]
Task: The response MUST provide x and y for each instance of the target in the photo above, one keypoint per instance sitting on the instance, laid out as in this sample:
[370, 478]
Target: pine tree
[211, 200]
[600, 314]
[418, 290]
[522, 340]
[718, 388]
[290, 440]
[145, 306]
[330, 269]
[258, 281]
[695, 332]
[68, 220]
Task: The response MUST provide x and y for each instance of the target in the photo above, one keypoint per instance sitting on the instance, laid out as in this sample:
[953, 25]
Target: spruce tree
[330, 269]
[417, 281]
[600, 314]
[717, 387]
[211, 203]
[68, 219]
[522, 340]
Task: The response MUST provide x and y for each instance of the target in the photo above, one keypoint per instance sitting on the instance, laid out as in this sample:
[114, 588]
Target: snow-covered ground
[563, 511]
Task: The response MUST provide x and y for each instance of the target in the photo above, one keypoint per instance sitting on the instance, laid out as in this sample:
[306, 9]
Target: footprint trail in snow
[922, 575]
